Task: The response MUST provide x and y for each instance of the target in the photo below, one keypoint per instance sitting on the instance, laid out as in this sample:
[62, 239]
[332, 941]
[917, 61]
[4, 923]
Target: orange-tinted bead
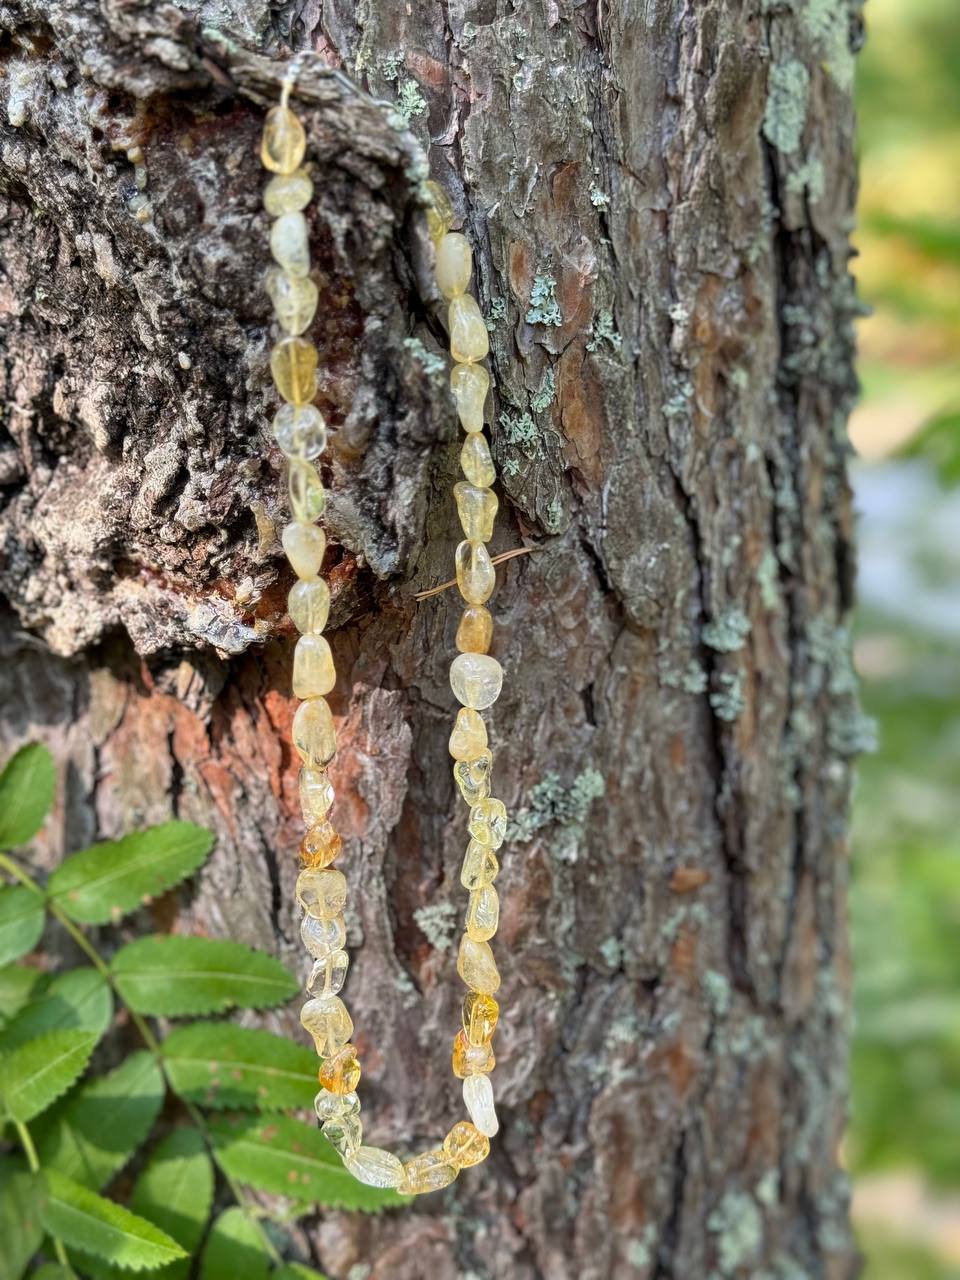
[475, 630]
[320, 846]
[465, 1145]
[341, 1073]
[471, 1059]
[480, 1014]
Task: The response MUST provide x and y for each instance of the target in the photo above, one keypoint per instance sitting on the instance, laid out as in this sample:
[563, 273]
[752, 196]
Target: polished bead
[313, 733]
[320, 846]
[430, 1171]
[475, 630]
[290, 244]
[480, 866]
[300, 431]
[329, 1106]
[294, 299]
[478, 1099]
[475, 461]
[483, 914]
[330, 972]
[308, 497]
[471, 1059]
[345, 1134]
[341, 1073]
[305, 546]
[470, 384]
[477, 509]
[327, 1020]
[488, 822]
[287, 193]
[454, 264]
[477, 967]
[469, 339]
[473, 777]
[313, 671]
[308, 605]
[469, 737]
[284, 141]
[476, 576]
[316, 795]
[465, 1145]
[321, 892]
[375, 1167]
[439, 211]
[480, 1014]
[293, 363]
[323, 937]
[476, 680]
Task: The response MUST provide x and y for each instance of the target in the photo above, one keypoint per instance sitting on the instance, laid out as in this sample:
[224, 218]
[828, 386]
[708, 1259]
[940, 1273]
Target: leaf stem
[33, 1161]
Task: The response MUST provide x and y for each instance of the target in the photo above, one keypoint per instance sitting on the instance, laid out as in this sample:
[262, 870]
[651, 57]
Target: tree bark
[660, 198]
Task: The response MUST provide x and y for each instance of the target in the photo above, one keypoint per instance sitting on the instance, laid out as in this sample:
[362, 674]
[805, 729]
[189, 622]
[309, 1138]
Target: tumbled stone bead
[313, 733]
[475, 630]
[300, 431]
[293, 363]
[480, 866]
[341, 1073]
[476, 680]
[320, 846]
[475, 461]
[322, 892]
[313, 671]
[478, 1099]
[439, 211]
[477, 509]
[308, 497]
[476, 576]
[471, 1059]
[290, 244]
[477, 967]
[345, 1134]
[287, 193]
[430, 1171]
[323, 937]
[473, 777]
[308, 605]
[480, 1015]
[375, 1167]
[333, 971]
[488, 822]
[454, 264]
[327, 1020]
[470, 384]
[469, 339]
[316, 795]
[469, 737]
[465, 1145]
[483, 914]
[284, 141]
[305, 546]
[329, 1106]
[294, 299]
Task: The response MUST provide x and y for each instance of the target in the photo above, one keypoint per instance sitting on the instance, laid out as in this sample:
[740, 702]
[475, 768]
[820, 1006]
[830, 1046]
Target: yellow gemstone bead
[469, 340]
[478, 1099]
[477, 967]
[375, 1167]
[470, 384]
[480, 866]
[290, 244]
[476, 576]
[327, 1020]
[305, 546]
[428, 1172]
[314, 736]
[316, 795]
[470, 1059]
[322, 893]
[330, 1106]
[341, 1073]
[287, 193]
[323, 938]
[476, 680]
[308, 497]
[308, 605]
[477, 509]
[488, 823]
[480, 1016]
[469, 738]
[483, 914]
[313, 671]
[333, 970]
[439, 211]
[320, 846]
[294, 299]
[300, 431]
[473, 777]
[475, 630]
[293, 363]
[475, 461]
[284, 141]
[454, 264]
[465, 1145]
[345, 1134]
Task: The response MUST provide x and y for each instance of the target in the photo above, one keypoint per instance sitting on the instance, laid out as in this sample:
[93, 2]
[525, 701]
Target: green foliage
[26, 794]
[78, 999]
[92, 1224]
[234, 1248]
[226, 1066]
[20, 1229]
[939, 440]
[21, 922]
[174, 977]
[36, 1073]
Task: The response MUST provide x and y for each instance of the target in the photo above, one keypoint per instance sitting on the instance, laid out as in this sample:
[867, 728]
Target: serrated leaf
[220, 1065]
[17, 984]
[35, 1074]
[234, 1248]
[287, 1157]
[110, 879]
[295, 1271]
[95, 1131]
[20, 1230]
[26, 793]
[51, 1271]
[175, 1190]
[173, 976]
[21, 921]
[88, 1222]
[79, 999]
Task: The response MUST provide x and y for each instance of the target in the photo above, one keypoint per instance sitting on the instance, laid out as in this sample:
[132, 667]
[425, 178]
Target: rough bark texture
[660, 196]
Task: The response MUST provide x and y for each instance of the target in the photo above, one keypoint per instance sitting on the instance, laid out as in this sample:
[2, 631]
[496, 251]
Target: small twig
[33, 1161]
[499, 559]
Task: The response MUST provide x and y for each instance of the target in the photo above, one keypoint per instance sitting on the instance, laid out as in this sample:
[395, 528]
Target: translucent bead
[329, 1106]
[465, 1145]
[483, 914]
[333, 971]
[477, 509]
[470, 384]
[313, 733]
[327, 1020]
[287, 193]
[284, 141]
[488, 823]
[341, 1073]
[480, 866]
[454, 264]
[477, 967]
[320, 846]
[308, 605]
[469, 339]
[478, 1099]
[476, 576]
[471, 1059]
[475, 630]
[293, 363]
[300, 431]
[345, 1134]
[305, 546]
[475, 461]
[473, 777]
[323, 937]
[439, 211]
[375, 1167]
[322, 892]
[428, 1172]
[476, 680]
[313, 671]
[316, 795]
[308, 497]
[294, 299]
[468, 740]
[290, 244]
[480, 1015]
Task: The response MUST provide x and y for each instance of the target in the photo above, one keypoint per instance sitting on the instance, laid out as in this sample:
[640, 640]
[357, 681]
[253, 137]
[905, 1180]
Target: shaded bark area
[660, 198]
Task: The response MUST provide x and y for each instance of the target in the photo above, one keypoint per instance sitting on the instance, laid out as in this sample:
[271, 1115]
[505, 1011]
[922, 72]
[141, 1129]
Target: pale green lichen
[727, 632]
[544, 308]
[678, 405]
[552, 802]
[598, 198]
[520, 430]
[717, 990]
[432, 364]
[738, 1225]
[498, 309]
[728, 700]
[611, 949]
[640, 1250]
[437, 921]
[828, 22]
[809, 177]
[768, 577]
[693, 679]
[391, 64]
[410, 101]
[767, 1189]
[544, 394]
[786, 113]
[604, 330]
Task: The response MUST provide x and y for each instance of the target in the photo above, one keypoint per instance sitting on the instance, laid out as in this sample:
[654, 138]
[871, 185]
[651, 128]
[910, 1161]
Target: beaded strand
[475, 678]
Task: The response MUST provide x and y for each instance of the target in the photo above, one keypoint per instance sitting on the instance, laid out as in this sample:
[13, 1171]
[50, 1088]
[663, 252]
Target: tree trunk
[660, 197]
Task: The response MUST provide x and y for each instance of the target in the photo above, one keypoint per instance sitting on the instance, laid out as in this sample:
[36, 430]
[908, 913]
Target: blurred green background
[904, 1142]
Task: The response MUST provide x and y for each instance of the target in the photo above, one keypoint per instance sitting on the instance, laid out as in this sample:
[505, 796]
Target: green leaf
[289, 1158]
[220, 1065]
[95, 1131]
[20, 1230]
[108, 880]
[293, 1271]
[79, 999]
[38, 1072]
[174, 976]
[85, 1221]
[17, 984]
[26, 794]
[175, 1190]
[234, 1248]
[51, 1271]
[21, 921]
